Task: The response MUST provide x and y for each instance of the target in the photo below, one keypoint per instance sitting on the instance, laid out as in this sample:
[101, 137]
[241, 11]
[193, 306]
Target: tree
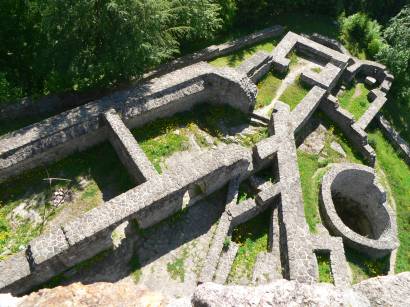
[396, 54]
[361, 34]
[56, 45]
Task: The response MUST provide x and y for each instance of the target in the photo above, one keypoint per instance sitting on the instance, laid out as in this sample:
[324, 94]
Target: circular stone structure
[354, 206]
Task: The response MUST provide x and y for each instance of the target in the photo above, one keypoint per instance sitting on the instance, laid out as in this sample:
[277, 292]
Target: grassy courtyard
[294, 93]
[267, 88]
[354, 99]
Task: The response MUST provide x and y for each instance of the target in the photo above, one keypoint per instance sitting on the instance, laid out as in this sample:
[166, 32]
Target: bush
[361, 35]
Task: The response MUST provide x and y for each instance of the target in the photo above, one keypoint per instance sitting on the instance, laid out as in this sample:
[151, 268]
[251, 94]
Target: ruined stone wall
[80, 128]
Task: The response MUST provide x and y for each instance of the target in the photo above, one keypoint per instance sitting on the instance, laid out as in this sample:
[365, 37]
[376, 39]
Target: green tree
[361, 34]
[396, 54]
[56, 45]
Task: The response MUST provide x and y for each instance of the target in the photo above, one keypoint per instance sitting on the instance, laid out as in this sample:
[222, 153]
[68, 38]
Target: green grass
[398, 176]
[249, 140]
[311, 170]
[267, 88]
[236, 58]
[165, 136]
[294, 59]
[244, 192]
[99, 165]
[294, 93]
[355, 105]
[176, 269]
[325, 270]
[316, 69]
[308, 166]
[135, 266]
[362, 267]
[252, 238]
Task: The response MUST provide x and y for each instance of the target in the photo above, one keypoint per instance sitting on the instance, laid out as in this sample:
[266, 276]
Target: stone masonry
[156, 196]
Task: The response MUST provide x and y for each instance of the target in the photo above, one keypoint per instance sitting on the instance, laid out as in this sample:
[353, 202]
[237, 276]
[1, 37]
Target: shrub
[361, 35]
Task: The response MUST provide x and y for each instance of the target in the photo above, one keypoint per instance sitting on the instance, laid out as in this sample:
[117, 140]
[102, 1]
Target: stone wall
[80, 128]
[345, 121]
[395, 138]
[358, 183]
[148, 203]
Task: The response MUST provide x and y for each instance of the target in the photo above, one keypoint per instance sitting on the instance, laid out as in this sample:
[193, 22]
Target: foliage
[51, 46]
[228, 11]
[244, 192]
[135, 266]
[325, 270]
[396, 54]
[249, 140]
[176, 269]
[354, 100]
[361, 35]
[227, 243]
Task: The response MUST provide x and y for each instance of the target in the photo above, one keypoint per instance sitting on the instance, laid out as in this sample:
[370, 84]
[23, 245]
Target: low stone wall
[372, 111]
[127, 149]
[329, 42]
[148, 203]
[358, 183]
[345, 121]
[326, 79]
[80, 128]
[293, 41]
[305, 109]
[394, 137]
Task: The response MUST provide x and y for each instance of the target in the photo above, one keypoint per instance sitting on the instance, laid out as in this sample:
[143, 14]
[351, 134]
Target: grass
[244, 192]
[357, 104]
[99, 165]
[294, 59]
[325, 270]
[236, 58]
[176, 269]
[308, 166]
[252, 238]
[316, 69]
[312, 170]
[294, 93]
[267, 88]
[398, 176]
[165, 136]
[363, 268]
[249, 140]
[135, 266]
